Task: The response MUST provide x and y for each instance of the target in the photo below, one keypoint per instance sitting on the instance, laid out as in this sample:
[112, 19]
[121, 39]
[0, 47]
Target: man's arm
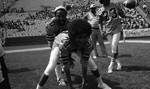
[100, 23]
[121, 12]
[50, 35]
[101, 19]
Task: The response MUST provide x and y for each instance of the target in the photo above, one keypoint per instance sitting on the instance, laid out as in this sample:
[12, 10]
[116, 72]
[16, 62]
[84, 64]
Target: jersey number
[111, 14]
[63, 40]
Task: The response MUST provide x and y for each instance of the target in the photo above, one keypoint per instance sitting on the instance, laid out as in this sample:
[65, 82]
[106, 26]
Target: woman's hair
[78, 27]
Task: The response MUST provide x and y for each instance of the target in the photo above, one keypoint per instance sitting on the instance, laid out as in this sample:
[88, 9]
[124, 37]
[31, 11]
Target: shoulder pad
[51, 23]
[65, 45]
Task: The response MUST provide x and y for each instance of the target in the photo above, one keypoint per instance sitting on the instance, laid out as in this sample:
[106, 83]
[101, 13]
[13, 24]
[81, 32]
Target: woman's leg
[50, 67]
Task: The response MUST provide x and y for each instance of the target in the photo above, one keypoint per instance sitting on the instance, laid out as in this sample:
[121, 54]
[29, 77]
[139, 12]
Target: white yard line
[137, 41]
[47, 48]
[27, 50]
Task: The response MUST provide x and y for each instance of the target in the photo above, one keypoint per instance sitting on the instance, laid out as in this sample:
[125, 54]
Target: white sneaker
[104, 86]
[62, 82]
[110, 71]
[39, 87]
[119, 67]
[110, 67]
[109, 56]
[94, 56]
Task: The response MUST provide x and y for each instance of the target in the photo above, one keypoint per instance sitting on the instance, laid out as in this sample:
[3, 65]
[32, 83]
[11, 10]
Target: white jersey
[92, 19]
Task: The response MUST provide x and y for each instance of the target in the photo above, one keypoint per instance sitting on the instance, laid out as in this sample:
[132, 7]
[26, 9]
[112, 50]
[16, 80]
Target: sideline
[47, 48]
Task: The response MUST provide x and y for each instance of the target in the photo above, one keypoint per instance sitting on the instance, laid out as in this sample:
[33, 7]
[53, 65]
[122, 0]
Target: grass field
[25, 68]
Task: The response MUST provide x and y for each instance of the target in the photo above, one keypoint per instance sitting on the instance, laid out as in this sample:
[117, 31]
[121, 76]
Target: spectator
[96, 36]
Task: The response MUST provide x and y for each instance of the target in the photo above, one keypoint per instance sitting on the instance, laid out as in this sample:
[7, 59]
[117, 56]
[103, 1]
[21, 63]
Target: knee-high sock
[43, 79]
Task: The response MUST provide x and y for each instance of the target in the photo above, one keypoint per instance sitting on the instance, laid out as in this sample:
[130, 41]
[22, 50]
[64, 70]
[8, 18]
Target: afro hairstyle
[78, 27]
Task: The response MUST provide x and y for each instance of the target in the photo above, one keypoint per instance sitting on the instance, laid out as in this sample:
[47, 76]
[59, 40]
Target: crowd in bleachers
[17, 10]
[14, 25]
[136, 23]
[76, 11]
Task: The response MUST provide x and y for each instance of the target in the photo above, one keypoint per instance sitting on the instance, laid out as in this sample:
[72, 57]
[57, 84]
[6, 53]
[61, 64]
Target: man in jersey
[109, 17]
[96, 36]
[57, 25]
[78, 42]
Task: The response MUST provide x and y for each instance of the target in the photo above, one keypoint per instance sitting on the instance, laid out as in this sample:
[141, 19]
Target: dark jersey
[53, 29]
[67, 49]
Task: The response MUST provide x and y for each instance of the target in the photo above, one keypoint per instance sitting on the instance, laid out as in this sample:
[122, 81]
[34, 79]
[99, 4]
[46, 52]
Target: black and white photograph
[74, 44]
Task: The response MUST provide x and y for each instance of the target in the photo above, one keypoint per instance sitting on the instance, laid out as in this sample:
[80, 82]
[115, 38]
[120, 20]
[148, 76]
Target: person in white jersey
[96, 36]
[110, 14]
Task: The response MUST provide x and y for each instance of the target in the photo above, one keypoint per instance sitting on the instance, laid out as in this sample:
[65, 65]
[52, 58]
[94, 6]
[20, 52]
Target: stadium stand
[32, 22]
